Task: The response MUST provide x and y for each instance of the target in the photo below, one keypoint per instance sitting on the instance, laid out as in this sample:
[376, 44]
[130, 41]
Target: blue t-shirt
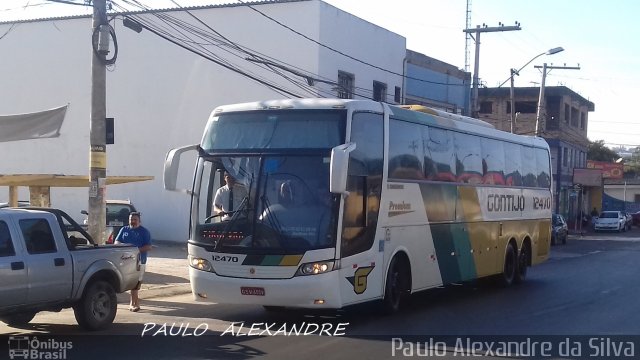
[139, 237]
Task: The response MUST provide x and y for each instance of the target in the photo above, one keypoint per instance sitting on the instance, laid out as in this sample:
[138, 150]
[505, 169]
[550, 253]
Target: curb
[165, 290]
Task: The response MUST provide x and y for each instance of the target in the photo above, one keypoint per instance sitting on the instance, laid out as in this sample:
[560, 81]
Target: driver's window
[211, 182]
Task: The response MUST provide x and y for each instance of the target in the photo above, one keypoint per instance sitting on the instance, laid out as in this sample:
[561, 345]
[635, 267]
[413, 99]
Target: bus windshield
[275, 129]
[278, 204]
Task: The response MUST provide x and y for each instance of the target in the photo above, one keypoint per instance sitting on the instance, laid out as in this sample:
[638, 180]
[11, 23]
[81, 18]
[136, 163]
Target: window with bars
[345, 85]
[486, 107]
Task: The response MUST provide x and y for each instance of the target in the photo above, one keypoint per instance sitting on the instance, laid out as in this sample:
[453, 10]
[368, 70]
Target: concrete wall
[161, 95]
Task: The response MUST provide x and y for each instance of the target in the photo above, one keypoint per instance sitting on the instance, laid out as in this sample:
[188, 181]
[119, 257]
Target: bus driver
[228, 197]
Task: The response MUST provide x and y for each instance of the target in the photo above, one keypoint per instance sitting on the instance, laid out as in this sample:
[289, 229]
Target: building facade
[436, 84]
[622, 194]
[563, 124]
[160, 94]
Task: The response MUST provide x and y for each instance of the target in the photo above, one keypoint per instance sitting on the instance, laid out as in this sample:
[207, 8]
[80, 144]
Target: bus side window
[513, 164]
[468, 160]
[406, 155]
[492, 162]
[529, 167]
[542, 160]
[438, 150]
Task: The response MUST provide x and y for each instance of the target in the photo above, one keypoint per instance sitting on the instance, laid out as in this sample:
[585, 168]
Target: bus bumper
[311, 291]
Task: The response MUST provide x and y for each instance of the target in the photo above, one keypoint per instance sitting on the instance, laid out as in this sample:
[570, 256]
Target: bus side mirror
[171, 166]
[339, 168]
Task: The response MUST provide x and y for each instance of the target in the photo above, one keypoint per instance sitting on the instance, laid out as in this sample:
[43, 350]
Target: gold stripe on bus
[481, 234]
[290, 260]
[469, 203]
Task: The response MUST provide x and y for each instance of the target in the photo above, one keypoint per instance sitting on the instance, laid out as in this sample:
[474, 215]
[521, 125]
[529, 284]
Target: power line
[179, 25]
[227, 45]
[227, 66]
[342, 53]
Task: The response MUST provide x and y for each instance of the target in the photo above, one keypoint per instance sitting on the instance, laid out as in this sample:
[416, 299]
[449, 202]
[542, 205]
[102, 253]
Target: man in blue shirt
[139, 236]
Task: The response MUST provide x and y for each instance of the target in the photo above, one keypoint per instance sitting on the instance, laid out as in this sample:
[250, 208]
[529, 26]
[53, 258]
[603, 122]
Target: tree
[598, 152]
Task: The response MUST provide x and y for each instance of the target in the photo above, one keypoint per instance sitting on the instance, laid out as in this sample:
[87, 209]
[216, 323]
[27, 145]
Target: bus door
[361, 265]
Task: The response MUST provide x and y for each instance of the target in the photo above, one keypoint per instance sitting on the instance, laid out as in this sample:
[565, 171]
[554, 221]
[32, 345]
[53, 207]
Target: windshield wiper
[236, 214]
[232, 221]
[271, 217]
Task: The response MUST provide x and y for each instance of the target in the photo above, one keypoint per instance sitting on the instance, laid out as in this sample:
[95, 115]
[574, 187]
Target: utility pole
[511, 100]
[478, 29]
[97, 137]
[541, 104]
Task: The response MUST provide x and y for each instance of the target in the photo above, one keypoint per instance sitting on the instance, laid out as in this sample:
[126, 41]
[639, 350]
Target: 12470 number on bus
[225, 258]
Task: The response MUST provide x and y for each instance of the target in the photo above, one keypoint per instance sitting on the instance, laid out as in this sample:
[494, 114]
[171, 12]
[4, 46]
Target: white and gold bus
[349, 201]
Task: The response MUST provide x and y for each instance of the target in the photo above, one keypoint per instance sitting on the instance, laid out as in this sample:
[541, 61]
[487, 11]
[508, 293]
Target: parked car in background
[117, 216]
[635, 218]
[611, 220]
[559, 230]
[21, 203]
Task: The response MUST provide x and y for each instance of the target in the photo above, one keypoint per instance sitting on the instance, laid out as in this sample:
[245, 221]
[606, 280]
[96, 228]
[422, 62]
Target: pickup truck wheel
[18, 319]
[98, 306]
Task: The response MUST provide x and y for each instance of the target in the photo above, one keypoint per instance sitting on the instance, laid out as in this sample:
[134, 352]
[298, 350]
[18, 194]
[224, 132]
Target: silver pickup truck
[48, 262]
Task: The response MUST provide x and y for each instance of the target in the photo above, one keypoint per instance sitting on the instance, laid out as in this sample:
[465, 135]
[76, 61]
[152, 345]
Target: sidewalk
[589, 234]
[167, 270]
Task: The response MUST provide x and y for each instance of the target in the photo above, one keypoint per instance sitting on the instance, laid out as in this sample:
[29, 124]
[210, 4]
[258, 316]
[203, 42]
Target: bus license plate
[257, 291]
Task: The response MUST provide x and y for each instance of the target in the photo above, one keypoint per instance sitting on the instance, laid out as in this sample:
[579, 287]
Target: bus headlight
[315, 268]
[200, 263]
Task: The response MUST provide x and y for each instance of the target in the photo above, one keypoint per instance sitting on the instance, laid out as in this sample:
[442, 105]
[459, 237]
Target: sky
[598, 36]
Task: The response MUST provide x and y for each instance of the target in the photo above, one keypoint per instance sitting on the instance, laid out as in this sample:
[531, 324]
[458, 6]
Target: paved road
[587, 290]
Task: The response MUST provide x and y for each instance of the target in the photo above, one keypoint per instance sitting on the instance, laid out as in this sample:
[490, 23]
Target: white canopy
[38, 125]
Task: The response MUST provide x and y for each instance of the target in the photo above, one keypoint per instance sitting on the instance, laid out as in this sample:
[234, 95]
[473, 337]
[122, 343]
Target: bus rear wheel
[396, 288]
[510, 266]
[523, 264]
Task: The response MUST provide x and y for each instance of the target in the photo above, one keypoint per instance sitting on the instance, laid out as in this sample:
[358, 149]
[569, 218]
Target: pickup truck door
[49, 261]
[13, 272]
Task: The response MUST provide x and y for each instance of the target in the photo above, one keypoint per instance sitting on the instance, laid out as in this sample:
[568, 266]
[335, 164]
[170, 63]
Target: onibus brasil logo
[32, 348]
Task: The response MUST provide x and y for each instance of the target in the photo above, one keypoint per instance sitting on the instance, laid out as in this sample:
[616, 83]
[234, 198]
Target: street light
[517, 72]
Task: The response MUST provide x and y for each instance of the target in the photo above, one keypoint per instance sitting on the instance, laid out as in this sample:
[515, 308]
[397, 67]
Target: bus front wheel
[397, 286]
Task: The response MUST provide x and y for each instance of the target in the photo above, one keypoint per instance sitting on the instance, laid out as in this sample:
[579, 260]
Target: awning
[55, 180]
[38, 125]
[40, 185]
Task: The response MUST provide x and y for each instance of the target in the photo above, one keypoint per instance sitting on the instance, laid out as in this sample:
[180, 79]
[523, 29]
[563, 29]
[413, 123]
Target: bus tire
[396, 288]
[510, 266]
[523, 264]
